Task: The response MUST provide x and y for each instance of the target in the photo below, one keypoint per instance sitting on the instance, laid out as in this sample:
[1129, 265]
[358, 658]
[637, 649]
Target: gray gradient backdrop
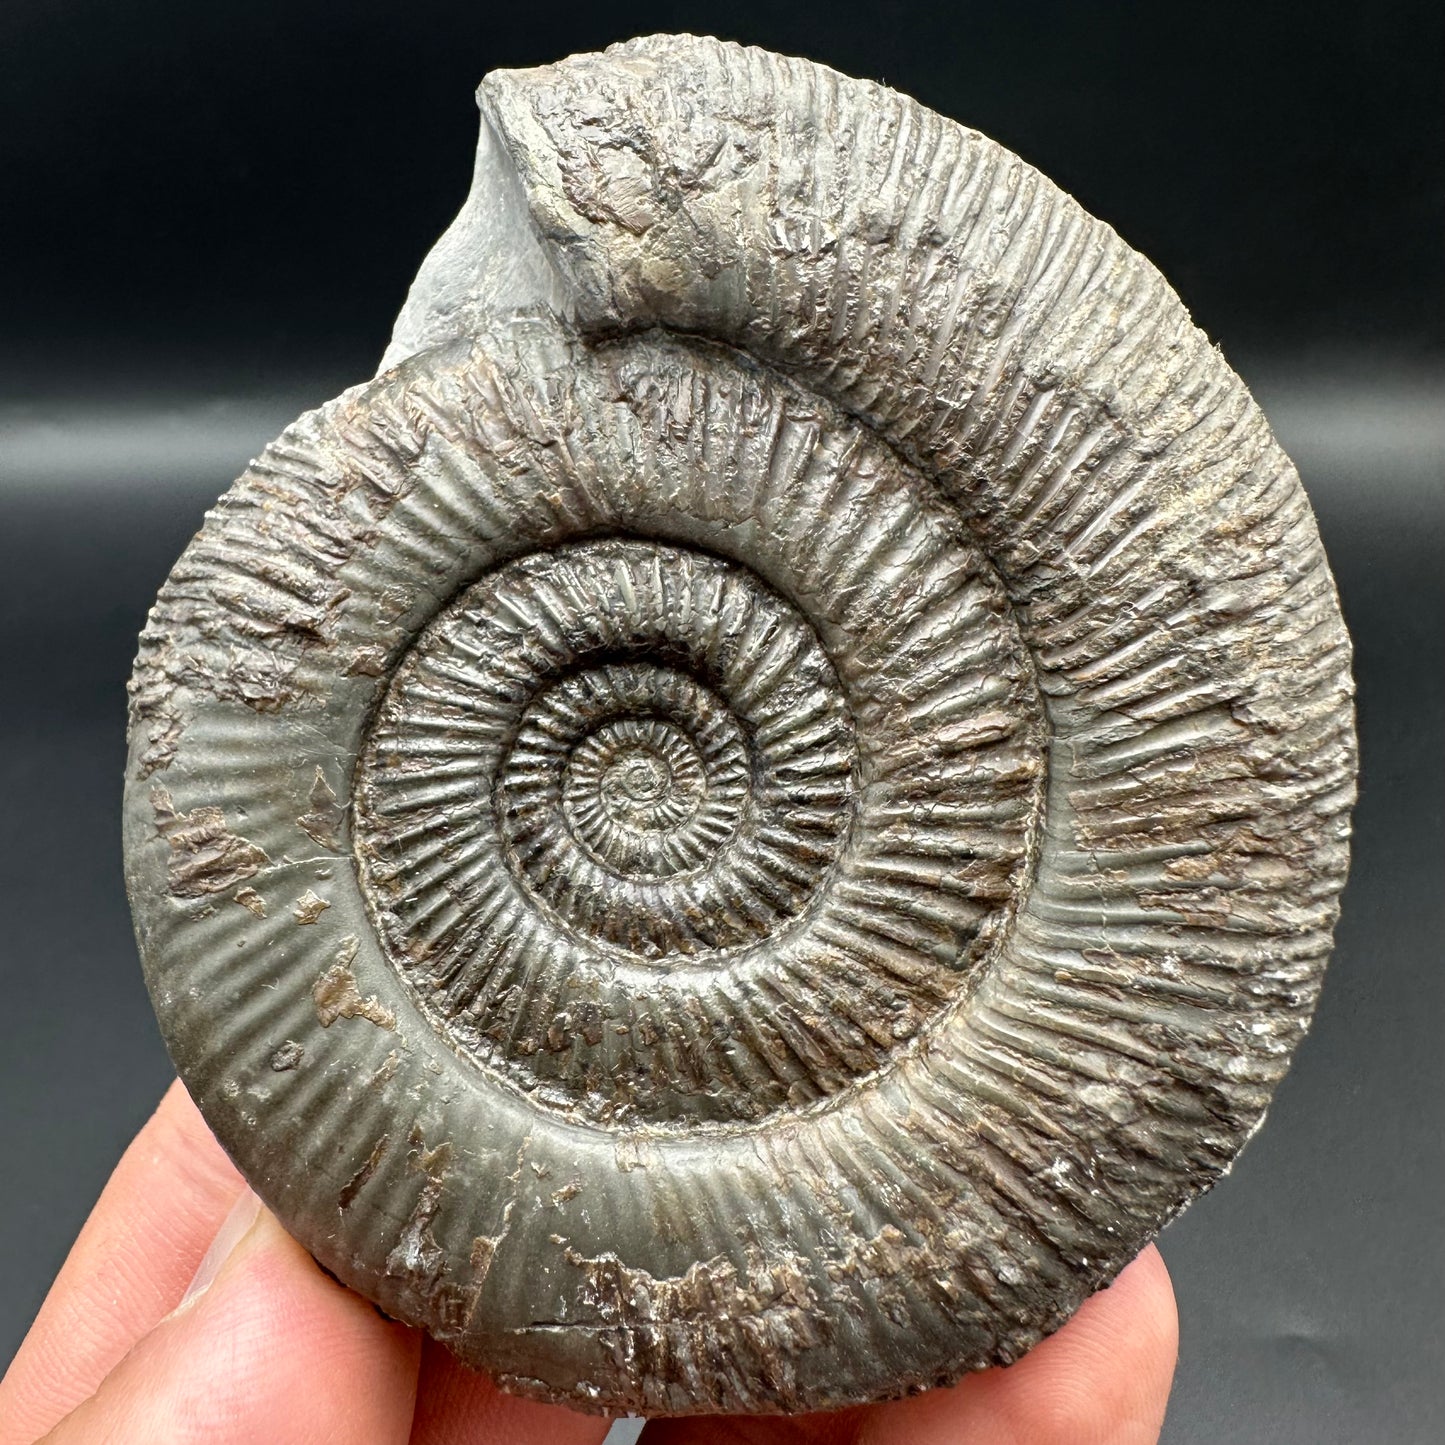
[209, 224]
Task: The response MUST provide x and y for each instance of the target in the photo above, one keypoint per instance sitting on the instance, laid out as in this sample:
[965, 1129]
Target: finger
[130, 1265]
[835, 1428]
[454, 1406]
[271, 1351]
[1103, 1379]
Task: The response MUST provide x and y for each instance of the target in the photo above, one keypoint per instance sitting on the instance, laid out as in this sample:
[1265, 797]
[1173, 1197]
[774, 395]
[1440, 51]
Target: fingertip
[1102, 1379]
[456, 1406]
[327, 1355]
[128, 1268]
[271, 1349]
[1135, 1318]
[1160, 1304]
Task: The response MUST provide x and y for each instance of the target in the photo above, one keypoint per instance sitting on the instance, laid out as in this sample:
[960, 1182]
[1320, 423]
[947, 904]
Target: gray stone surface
[817, 714]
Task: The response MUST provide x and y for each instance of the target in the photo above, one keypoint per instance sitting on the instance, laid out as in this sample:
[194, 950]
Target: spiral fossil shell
[739, 828]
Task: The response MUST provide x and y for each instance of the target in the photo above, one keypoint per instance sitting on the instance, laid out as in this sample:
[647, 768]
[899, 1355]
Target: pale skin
[271, 1351]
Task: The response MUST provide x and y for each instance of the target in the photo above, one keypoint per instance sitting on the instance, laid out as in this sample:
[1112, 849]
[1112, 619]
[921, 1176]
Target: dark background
[209, 214]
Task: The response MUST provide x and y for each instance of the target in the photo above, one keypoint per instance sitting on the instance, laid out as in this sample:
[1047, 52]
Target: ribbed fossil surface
[745, 823]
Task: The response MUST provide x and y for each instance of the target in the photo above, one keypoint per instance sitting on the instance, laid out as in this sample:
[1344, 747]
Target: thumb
[263, 1348]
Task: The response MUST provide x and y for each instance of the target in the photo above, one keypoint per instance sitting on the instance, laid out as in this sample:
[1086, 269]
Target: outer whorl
[743, 825]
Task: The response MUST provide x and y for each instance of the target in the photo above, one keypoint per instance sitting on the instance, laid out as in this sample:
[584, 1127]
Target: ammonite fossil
[739, 828]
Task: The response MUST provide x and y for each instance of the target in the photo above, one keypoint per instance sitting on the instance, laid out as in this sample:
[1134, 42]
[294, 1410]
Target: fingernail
[233, 1230]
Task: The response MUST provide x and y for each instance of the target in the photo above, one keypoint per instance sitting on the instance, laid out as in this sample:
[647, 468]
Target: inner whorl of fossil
[639, 746]
[677, 777]
[717, 790]
[641, 845]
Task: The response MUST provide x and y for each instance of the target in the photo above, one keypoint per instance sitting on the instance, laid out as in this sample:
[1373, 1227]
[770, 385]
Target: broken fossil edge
[710, 313]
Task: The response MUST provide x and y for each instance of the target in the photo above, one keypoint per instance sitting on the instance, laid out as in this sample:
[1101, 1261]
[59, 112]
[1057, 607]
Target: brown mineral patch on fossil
[164, 727]
[251, 901]
[213, 639]
[309, 907]
[337, 996]
[387, 1070]
[322, 824]
[418, 1261]
[359, 1180]
[484, 1249]
[206, 856]
[721, 1326]
[367, 662]
[416, 1255]
[264, 683]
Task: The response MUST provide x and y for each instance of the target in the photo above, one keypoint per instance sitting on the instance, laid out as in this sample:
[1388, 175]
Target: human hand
[185, 1313]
